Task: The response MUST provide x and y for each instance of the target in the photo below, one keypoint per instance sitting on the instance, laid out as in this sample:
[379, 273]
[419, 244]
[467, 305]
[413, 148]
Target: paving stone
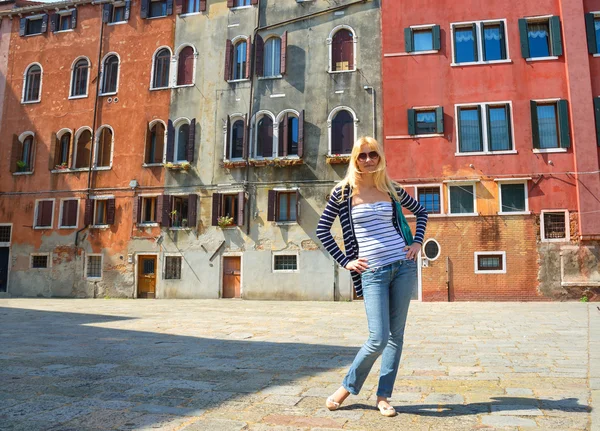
[444, 399]
[284, 400]
[508, 421]
[216, 425]
[515, 410]
[519, 392]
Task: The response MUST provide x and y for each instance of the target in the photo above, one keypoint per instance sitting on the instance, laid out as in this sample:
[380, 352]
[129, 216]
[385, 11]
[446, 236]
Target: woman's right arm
[332, 210]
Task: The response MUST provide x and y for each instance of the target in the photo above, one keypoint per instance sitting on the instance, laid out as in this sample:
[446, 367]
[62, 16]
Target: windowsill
[232, 81]
[33, 34]
[408, 54]
[23, 173]
[183, 85]
[463, 215]
[102, 168]
[183, 15]
[117, 23]
[341, 71]
[42, 227]
[514, 213]
[61, 171]
[491, 272]
[29, 102]
[481, 63]
[596, 55]
[555, 240]
[179, 228]
[67, 227]
[64, 31]
[265, 78]
[100, 226]
[552, 57]
[151, 165]
[549, 150]
[412, 216]
[158, 88]
[428, 135]
[284, 271]
[78, 97]
[231, 226]
[157, 17]
[149, 224]
[286, 223]
[79, 170]
[93, 278]
[485, 153]
[108, 94]
[240, 7]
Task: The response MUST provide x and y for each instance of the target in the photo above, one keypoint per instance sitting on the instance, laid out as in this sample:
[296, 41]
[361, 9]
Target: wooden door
[4, 252]
[146, 277]
[231, 276]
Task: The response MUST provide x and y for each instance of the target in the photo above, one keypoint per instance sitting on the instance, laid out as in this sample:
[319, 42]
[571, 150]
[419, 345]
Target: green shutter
[556, 37]
[597, 112]
[524, 38]
[503, 41]
[475, 51]
[435, 33]
[458, 135]
[509, 127]
[480, 118]
[482, 28]
[488, 127]
[439, 118]
[408, 39]
[563, 124]
[535, 127]
[591, 33]
[412, 127]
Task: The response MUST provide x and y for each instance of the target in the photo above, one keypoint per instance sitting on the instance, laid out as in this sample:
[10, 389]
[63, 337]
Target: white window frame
[151, 124]
[75, 145]
[234, 42]
[101, 77]
[332, 114]
[164, 272]
[479, 24]
[453, 183]
[39, 99]
[61, 14]
[7, 244]
[229, 133]
[525, 182]
[60, 213]
[34, 18]
[175, 61]
[484, 128]
[269, 38]
[439, 249]
[141, 209]
[83, 96]
[48, 261]
[543, 18]
[95, 199]
[490, 253]
[178, 122]
[278, 119]
[254, 134]
[553, 101]
[330, 49]
[567, 237]
[170, 75]
[97, 148]
[35, 214]
[87, 256]
[285, 253]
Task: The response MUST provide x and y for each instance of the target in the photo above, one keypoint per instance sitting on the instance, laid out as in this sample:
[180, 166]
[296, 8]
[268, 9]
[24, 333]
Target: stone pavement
[225, 365]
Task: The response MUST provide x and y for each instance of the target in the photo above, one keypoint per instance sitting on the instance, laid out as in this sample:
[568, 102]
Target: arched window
[272, 57]
[237, 139]
[110, 74]
[342, 50]
[185, 66]
[342, 132]
[83, 147]
[79, 80]
[181, 139]
[63, 149]
[288, 135]
[155, 144]
[104, 147]
[239, 60]
[33, 84]
[160, 74]
[264, 137]
[23, 152]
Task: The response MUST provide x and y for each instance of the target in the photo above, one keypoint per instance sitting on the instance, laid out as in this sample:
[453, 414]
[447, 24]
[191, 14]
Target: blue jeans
[387, 293]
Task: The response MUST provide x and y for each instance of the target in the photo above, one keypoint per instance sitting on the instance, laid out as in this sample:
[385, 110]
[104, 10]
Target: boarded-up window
[83, 148]
[155, 143]
[33, 80]
[342, 51]
[110, 74]
[162, 62]
[342, 133]
[104, 149]
[44, 214]
[69, 213]
[185, 66]
[80, 78]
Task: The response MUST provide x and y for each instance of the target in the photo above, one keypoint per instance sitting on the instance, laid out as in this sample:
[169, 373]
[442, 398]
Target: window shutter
[535, 127]
[503, 41]
[228, 59]
[72, 213]
[192, 214]
[285, 134]
[590, 28]
[169, 7]
[229, 3]
[144, 9]
[88, 215]
[301, 121]
[408, 40]
[202, 5]
[488, 127]
[245, 139]
[254, 1]
[283, 65]
[439, 117]
[509, 126]
[555, 35]
[53, 154]
[110, 211]
[248, 57]
[271, 209]
[71, 163]
[74, 18]
[106, 12]
[297, 205]
[228, 138]
[480, 119]
[216, 208]
[178, 7]
[127, 10]
[15, 154]
[412, 125]
[137, 209]
[436, 36]
[22, 26]
[475, 49]
[241, 203]
[45, 23]
[163, 210]
[563, 123]
[191, 142]
[54, 22]
[597, 113]
[260, 51]
[524, 38]
[44, 213]
[170, 141]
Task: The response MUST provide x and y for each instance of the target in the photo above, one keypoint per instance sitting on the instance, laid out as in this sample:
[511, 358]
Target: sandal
[387, 411]
[331, 404]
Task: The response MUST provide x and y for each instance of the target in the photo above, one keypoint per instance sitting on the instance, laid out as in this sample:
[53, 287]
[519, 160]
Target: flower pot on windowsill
[282, 163]
[224, 222]
[61, 167]
[337, 159]
[185, 166]
[22, 166]
[237, 164]
[258, 163]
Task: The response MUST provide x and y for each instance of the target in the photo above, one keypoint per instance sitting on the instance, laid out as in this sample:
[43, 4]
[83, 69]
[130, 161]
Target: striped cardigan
[343, 210]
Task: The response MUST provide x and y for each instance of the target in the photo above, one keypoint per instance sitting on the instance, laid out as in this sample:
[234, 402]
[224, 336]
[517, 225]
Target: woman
[381, 262]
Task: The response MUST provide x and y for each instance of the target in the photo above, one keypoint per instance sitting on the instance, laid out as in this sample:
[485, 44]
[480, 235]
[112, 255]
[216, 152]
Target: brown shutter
[52, 153]
[88, 215]
[271, 211]
[248, 57]
[137, 209]
[285, 134]
[229, 3]
[216, 208]
[301, 134]
[44, 216]
[71, 163]
[245, 141]
[254, 1]
[110, 211]
[163, 210]
[178, 7]
[71, 211]
[74, 18]
[283, 52]
[260, 52]
[240, 214]
[228, 59]
[227, 139]
[191, 142]
[170, 141]
[297, 205]
[202, 5]
[192, 214]
[15, 153]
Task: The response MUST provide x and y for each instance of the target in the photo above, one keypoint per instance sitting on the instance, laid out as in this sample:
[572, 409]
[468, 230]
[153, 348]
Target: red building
[489, 120]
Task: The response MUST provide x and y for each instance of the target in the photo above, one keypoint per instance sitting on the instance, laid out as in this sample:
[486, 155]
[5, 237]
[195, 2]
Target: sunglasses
[373, 155]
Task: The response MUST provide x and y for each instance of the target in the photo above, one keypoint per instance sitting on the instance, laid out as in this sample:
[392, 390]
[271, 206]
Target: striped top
[378, 240]
[343, 209]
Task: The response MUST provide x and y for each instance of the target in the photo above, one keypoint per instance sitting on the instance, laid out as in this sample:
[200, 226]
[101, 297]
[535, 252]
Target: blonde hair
[382, 180]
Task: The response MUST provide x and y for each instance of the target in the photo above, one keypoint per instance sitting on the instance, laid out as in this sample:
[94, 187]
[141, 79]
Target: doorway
[146, 277]
[4, 255]
[232, 272]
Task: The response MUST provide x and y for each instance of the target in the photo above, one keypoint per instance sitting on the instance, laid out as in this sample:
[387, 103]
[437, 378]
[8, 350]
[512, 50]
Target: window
[285, 262]
[540, 37]
[239, 60]
[462, 199]
[33, 25]
[100, 212]
[342, 132]
[484, 128]
[550, 125]
[422, 38]
[160, 71]
[272, 57]
[173, 267]
[229, 208]
[23, 153]
[228, 205]
[238, 3]
[155, 143]
[69, 213]
[513, 198]
[342, 51]
[39, 261]
[592, 24]
[493, 262]
[33, 84]
[61, 157]
[185, 66]
[110, 74]
[116, 12]
[79, 78]
[64, 21]
[104, 148]
[179, 211]
[44, 214]
[430, 199]
[431, 249]
[479, 42]
[289, 136]
[183, 132]
[5, 233]
[283, 205]
[149, 209]
[426, 121]
[157, 8]
[94, 266]
[264, 137]
[235, 144]
[83, 145]
[554, 225]
[191, 6]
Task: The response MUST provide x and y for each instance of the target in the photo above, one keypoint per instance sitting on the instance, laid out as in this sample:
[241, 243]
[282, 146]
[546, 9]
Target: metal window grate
[554, 226]
[94, 267]
[5, 232]
[173, 268]
[286, 262]
[39, 261]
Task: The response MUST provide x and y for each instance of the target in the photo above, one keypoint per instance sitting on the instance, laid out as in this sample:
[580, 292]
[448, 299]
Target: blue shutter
[22, 26]
[144, 8]
[169, 7]
[54, 22]
[127, 10]
[45, 23]
[106, 12]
